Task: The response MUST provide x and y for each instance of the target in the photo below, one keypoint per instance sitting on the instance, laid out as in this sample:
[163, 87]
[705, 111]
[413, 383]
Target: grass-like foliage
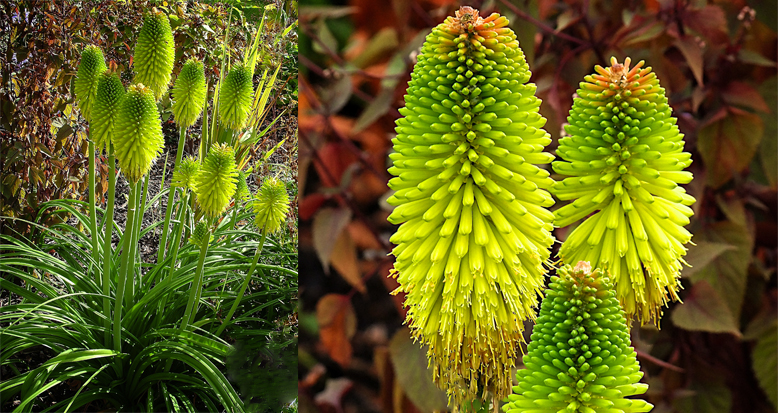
[61, 312]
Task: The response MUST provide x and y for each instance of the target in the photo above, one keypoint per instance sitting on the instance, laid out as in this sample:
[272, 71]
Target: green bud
[235, 97]
[215, 182]
[137, 135]
[242, 191]
[185, 173]
[471, 203]
[189, 93]
[91, 66]
[624, 158]
[580, 352]
[271, 205]
[201, 235]
[154, 53]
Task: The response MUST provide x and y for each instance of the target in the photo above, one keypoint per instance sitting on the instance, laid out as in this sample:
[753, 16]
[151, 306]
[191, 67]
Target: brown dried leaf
[337, 324]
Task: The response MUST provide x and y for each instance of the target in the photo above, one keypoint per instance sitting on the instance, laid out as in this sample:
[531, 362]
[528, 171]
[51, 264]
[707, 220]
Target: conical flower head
[189, 93]
[475, 232]
[579, 359]
[154, 53]
[110, 92]
[235, 97]
[91, 66]
[215, 182]
[624, 158]
[185, 173]
[137, 137]
[242, 191]
[201, 235]
[271, 205]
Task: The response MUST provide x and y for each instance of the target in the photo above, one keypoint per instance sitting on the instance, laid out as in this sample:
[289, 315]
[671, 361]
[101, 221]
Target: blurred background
[717, 62]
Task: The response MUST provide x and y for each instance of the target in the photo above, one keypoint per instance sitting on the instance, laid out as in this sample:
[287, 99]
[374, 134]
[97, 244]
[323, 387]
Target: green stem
[244, 285]
[194, 295]
[126, 257]
[197, 287]
[107, 250]
[92, 208]
[130, 280]
[178, 228]
[171, 196]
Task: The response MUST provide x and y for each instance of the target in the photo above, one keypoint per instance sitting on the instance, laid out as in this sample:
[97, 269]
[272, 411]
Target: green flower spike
[242, 191]
[271, 205]
[215, 183]
[110, 92]
[201, 235]
[235, 97]
[475, 232]
[579, 359]
[154, 53]
[91, 66]
[624, 158]
[189, 93]
[185, 173]
[137, 135]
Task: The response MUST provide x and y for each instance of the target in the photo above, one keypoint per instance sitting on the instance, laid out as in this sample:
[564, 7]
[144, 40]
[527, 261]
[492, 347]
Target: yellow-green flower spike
[242, 191]
[110, 92]
[235, 97]
[201, 235]
[91, 66]
[189, 93]
[271, 205]
[185, 173]
[624, 160]
[137, 137]
[579, 359]
[475, 232]
[154, 53]
[215, 182]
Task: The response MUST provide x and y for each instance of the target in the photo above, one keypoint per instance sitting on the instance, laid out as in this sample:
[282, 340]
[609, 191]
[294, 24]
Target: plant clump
[215, 182]
[471, 203]
[189, 93]
[154, 53]
[579, 359]
[235, 97]
[91, 66]
[138, 132]
[623, 160]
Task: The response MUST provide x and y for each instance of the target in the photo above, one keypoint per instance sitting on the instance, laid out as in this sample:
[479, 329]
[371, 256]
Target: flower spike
[91, 66]
[110, 92]
[624, 160]
[154, 53]
[579, 359]
[235, 97]
[271, 205]
[215, 182]
[471, 203]
[189, 93]
[137, 132]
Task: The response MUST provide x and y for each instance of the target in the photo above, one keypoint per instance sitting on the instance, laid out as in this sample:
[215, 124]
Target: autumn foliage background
[716, 352]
